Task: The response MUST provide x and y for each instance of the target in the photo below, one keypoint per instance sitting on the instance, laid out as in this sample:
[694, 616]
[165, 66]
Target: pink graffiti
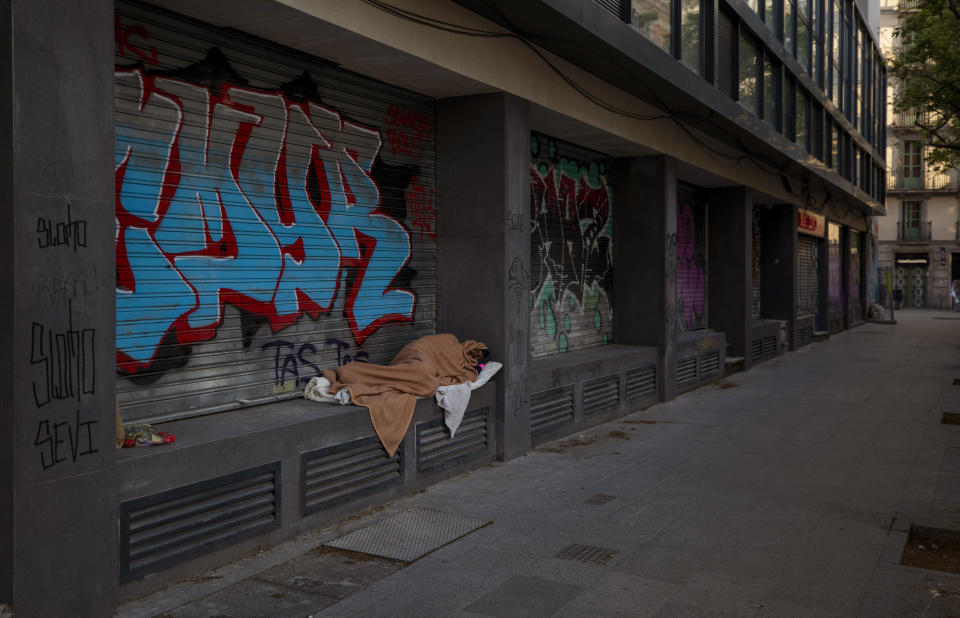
[242, 196]
[691, 286]
[407, 131]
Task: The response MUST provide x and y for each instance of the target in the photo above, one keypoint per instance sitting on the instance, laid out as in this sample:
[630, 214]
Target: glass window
[834, 137]
[690, 34]
[789, 106]
[912, 160]
[815, 49]
[911, 220]
[748, 74]
[770, 14]
[771, 92]
[803, 34]
[802, 122]
[789, 25]
[816, 131]
[754, 5]
[652, 19]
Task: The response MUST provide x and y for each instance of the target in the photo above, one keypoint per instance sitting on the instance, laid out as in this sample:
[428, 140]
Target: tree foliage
[926, 71]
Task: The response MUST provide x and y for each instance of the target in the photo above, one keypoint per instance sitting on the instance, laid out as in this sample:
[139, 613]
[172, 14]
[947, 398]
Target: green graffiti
[591, 297]
[597, 321]
[552, 150]
[566, 322]
[543, 169]
[563, 343]
[534, 145]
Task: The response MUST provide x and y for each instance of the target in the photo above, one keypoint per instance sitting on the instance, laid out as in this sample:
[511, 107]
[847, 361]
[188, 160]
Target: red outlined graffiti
[407, 131]
[242, 196]
[133, 41]
[423, 214]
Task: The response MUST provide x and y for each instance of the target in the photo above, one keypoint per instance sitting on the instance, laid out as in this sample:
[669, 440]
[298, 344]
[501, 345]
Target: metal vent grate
[617, 7]
[770, 345]
[687, 371]
[164, 529]
[601, 394]
[727, 81]
[642, 382]
[551, 409]
[346, 471]
[756, 349]
[436, 450]
[709, 364]
[586, 553]
[804, 335]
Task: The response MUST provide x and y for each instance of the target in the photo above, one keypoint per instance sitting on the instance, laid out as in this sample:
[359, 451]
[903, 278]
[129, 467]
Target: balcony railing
[928, 181]
[910, 118]
[906, 5]
[918, 231]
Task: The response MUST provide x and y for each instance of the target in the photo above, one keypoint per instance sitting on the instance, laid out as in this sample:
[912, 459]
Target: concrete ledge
[214, 446]
[704, 348]
[583, 368]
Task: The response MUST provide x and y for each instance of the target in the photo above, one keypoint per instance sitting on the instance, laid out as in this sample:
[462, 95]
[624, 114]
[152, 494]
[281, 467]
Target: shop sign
[810, 223]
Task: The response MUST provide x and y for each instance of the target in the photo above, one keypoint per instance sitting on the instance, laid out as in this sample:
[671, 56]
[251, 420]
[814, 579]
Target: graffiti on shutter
[571, 244]
[835, 286]
[808, 249]
[274, 216]
[691, 265]
[854, 270]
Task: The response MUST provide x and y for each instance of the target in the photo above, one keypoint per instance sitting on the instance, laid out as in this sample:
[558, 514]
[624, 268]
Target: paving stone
[253, 599]
[331, 572]
[522, 596]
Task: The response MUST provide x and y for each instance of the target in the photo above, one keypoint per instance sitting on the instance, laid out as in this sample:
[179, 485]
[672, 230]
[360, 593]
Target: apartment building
[919, 237]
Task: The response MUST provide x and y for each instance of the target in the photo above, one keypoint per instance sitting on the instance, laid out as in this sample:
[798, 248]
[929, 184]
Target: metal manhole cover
[408, 535]
[587, 553]
[598, 499]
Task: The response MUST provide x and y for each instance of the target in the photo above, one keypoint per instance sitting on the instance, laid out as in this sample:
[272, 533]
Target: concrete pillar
[645, 259]
[845, 273]
[58, 524]
[483, 184]
[729, 228]
[778, 267]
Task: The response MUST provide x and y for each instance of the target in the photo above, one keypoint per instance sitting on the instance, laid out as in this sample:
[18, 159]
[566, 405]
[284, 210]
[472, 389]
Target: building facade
[206, 204]
[919, 250]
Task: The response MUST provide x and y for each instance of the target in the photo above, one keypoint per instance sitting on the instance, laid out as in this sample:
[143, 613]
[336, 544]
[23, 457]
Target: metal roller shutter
[755, 295]
[834, 278]
[691, 264]
[808, 257]
[571, 248]
[275, 216]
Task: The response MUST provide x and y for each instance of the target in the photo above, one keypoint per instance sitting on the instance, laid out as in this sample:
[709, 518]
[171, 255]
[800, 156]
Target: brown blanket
[390, 392]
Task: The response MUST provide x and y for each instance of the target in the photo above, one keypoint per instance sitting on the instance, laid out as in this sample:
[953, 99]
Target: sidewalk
[788, 490]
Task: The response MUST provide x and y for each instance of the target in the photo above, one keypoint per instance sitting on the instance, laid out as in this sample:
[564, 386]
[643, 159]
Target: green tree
[926, 73]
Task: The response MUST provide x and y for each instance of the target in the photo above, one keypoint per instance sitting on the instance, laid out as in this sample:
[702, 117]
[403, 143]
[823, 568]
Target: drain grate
[950, 418]
[936, 549]
[590, 554]
[408, 535]
[598, 499]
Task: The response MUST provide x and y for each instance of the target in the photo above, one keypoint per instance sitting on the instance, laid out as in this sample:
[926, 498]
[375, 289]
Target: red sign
[810, 223]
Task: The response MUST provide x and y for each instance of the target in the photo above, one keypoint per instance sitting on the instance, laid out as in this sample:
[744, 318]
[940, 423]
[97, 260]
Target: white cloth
[455, 398]
[318, 389]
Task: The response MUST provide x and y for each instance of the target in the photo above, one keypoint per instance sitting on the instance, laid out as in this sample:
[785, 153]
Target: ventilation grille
[642, 382]
[804, 335]
[770, 345]
[687, 371]
[763, 348]
[436, 450]
[346, 471]
[168, 528]
[726, 67]
[709, 364]
[617, 7]
[551, 409]
[601, 394]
